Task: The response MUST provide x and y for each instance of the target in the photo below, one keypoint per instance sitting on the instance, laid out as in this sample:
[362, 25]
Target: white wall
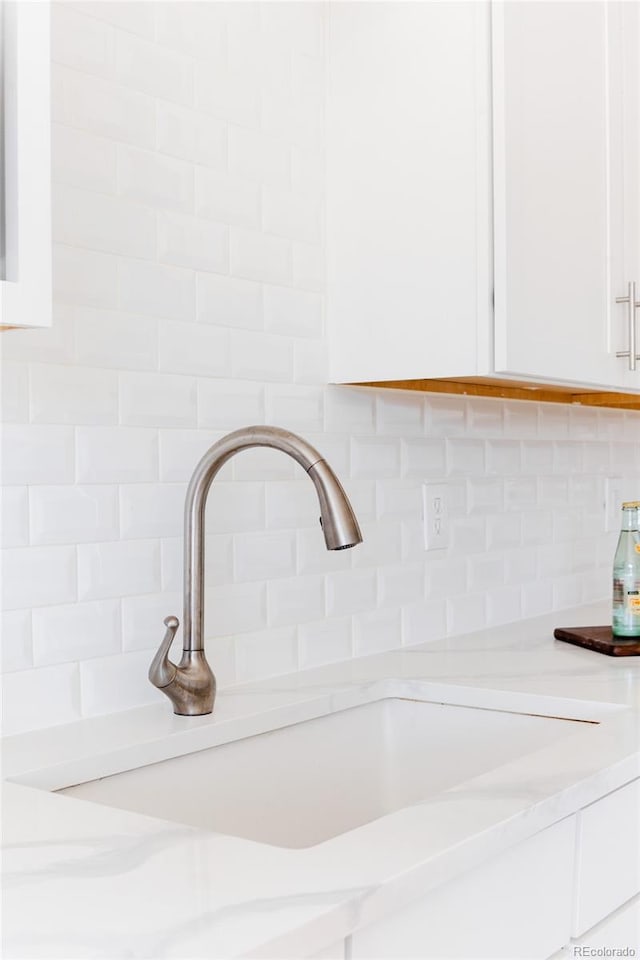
[188, 273]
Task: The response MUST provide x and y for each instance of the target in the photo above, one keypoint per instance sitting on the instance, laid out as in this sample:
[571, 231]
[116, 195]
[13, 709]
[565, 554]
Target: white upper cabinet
[562, 230]
[25, 174]
[482, 189]
[408, 188]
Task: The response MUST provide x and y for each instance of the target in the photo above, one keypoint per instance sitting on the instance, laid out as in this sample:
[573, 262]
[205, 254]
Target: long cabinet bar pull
[632, 306]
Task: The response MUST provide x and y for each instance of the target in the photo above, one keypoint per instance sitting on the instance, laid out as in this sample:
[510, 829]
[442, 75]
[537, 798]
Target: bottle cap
[630, 504]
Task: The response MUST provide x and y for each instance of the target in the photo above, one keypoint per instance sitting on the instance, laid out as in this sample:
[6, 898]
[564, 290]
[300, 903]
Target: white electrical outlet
[436, 515]
[613, 497]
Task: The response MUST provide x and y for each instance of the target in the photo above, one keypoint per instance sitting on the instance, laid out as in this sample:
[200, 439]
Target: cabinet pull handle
[632, 306]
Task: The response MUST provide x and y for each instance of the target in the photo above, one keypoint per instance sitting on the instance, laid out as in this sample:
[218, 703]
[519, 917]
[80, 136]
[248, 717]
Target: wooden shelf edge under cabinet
[514, 390]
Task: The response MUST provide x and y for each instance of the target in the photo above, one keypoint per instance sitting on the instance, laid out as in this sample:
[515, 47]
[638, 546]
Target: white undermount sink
[305, 783]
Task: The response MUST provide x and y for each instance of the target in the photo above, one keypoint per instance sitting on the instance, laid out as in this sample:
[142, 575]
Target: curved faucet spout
[337, 518]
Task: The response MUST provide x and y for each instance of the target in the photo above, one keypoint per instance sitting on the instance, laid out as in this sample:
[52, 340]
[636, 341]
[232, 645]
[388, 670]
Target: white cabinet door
[518, 904]
[561, 237]
[25, 151]
[408, 186]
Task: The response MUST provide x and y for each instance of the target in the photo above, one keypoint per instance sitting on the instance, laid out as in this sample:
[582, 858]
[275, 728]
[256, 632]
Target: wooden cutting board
[600, 639]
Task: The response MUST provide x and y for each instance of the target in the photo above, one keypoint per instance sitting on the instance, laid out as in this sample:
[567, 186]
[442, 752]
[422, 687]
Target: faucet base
[193, 688]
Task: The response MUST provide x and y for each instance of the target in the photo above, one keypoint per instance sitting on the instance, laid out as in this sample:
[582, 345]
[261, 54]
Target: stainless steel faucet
[190, 685]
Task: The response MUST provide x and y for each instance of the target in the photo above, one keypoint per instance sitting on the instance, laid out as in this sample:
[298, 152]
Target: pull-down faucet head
[190, 685]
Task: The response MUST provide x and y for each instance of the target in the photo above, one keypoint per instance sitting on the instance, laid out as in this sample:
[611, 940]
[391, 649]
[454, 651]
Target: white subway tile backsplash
[103, 107]
[38, 576]
[151, 510]
[291, 215]
[296, 313]
[468, 534]
[504, 457]
[73, 514]
[295, 600]
[82, 159]
[399, 412]
[15, 517]
[142, 619]
[193, 243]
[265, 654]
[423, 621]
[84, 276]
[49, 344]
[232, 95]
[95, 221]
[142, 65]
[351, 591]
[291, 504]
[465, 458]
[109, 338]
[233, 608]
[75, 631]
[180, 451]
[134, 16]
[308, 265]
[15, 393]
[37, 454]
[157, 290]
[424, 459]
[401, 583]
[230, 404]
[520, 493]
[375, 631]
[108, 684]
[382, 541]
[227, 302]
[162, 400]
[115, 455]
[193, 348]
[445, 416]
[186, 134]
[375, 457]
[16, 649]
[312, 553]
[218, 566]
[485, 571]
[119, 569]
[310, 361]
[81, 42]
[537, 598]
[261, 356]
[466, 613]
[40, 697]
[485, 495]
[193, 28]
[156, 180]
[235, 507]
[503, 606]
[324, 641]
[296, 407]
[349, 410]
[254, 156]
[74, 395]
[257, 256]
[264, 555]
[485, 416]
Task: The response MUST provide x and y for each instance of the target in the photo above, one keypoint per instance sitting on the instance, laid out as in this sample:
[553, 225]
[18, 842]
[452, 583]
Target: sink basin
[305, 783]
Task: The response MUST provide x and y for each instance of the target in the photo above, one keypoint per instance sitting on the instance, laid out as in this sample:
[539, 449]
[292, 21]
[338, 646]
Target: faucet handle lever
[162, 671]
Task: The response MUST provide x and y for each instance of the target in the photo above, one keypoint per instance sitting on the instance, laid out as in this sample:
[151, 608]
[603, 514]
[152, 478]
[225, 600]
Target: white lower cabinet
[608, 867]
[577, 883]
[516, 905]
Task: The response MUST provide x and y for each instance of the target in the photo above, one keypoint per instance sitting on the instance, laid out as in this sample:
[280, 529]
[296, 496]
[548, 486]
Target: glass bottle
[626, 574]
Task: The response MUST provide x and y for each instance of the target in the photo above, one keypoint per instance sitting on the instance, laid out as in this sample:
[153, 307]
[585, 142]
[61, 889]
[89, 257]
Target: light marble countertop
[83, 880]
